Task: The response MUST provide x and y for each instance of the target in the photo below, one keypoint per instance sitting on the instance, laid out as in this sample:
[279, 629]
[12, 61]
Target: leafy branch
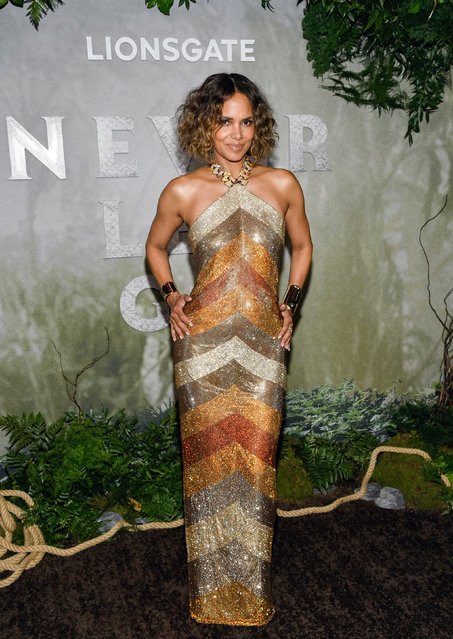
[37, 9]
[384, 55]
[165, 6]
[72, 386]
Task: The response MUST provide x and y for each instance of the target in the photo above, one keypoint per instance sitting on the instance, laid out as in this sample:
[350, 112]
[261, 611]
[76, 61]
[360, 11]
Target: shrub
[417, 479]
[77, 468]
[332, 411]
[293, 481]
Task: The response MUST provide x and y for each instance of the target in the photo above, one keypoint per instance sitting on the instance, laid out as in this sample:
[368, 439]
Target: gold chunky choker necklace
[228, 179]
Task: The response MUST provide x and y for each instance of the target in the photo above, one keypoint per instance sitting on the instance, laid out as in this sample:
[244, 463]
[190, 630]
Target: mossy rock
[409, 473]
[293, 481]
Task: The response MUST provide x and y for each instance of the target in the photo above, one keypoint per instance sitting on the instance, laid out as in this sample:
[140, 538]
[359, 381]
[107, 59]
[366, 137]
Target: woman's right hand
[179, 322]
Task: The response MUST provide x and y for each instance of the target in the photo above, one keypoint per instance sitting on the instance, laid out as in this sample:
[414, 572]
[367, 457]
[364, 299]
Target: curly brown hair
[200, 115]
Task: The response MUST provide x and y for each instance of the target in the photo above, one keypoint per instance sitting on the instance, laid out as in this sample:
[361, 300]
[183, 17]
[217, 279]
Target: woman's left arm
[298, 231]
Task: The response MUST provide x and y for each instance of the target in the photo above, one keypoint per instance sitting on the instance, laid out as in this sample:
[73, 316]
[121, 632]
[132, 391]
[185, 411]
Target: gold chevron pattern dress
[230, 377]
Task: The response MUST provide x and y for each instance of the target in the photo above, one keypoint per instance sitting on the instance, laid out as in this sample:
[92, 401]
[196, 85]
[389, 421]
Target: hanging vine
[446, 368]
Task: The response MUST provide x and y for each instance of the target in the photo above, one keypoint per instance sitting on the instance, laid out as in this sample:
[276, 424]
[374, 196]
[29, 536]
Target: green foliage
[76, 469]
[386, 55]
[418, 480]
[432, 422]
[293, 481]
[40, 8]
[328, 462]
[443, 464]
[16, 3]
[37, 9]
[332, 411]
[319, 461]
[335, 428]
[30, 433]
[165, 6]
[157, 474]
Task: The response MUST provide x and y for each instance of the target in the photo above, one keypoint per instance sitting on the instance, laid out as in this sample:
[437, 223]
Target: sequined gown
[230, 376]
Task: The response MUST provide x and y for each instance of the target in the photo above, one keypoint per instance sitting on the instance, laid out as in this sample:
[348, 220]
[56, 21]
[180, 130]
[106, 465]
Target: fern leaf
[39, 8]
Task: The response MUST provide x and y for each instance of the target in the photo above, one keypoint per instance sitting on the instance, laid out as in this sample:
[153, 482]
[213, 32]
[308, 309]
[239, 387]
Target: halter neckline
[226, 177]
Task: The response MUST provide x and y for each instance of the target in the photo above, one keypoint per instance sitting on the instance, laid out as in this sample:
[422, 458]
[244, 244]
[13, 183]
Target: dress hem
[239, 622]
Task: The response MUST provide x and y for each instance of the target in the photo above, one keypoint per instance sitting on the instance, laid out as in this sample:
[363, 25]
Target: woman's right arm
[166, 222]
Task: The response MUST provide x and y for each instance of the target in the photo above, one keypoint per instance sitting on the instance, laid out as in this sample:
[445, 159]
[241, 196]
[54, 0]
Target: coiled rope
[29, 554]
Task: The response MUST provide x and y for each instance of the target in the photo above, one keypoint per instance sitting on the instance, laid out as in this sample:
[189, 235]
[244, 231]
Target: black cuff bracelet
[167, 289]
[292, 297]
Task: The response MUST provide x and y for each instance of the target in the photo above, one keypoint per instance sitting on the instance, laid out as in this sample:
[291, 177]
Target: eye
[248, 122]
[224, 121]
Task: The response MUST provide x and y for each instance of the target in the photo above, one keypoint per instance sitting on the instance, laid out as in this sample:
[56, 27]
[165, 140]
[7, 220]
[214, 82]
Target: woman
[230, 338]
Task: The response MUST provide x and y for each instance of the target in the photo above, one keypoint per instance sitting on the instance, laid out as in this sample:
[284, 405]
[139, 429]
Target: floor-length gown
[230, 376]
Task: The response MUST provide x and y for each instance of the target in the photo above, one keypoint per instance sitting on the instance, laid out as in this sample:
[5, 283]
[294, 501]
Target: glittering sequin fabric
[230, 376]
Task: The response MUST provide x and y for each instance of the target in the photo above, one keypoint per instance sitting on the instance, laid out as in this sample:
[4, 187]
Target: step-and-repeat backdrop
[86, 146]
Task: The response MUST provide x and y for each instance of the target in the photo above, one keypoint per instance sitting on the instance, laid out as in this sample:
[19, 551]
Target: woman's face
[233, 138]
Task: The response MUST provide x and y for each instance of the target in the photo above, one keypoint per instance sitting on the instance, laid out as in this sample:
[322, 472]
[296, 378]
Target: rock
[3, 473]
[108, 520]
[391, 498]
[324, 491]
[372, 491]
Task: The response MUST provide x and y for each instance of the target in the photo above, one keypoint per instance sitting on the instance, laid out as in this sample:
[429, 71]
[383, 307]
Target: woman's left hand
[287, 328]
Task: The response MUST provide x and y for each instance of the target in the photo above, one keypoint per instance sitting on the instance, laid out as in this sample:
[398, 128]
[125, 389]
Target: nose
[236, 132]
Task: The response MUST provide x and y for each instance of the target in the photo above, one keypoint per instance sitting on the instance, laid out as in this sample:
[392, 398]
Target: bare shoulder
[279, 187]
[281, 178]
[182, 188]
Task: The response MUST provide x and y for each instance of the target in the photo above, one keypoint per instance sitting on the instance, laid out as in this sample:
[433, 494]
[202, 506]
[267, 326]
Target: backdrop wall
[86, 146]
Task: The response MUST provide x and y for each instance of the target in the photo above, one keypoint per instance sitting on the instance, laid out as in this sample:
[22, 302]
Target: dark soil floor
[358, 572]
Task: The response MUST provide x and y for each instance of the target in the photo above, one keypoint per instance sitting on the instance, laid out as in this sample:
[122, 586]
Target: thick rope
[33, 550]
